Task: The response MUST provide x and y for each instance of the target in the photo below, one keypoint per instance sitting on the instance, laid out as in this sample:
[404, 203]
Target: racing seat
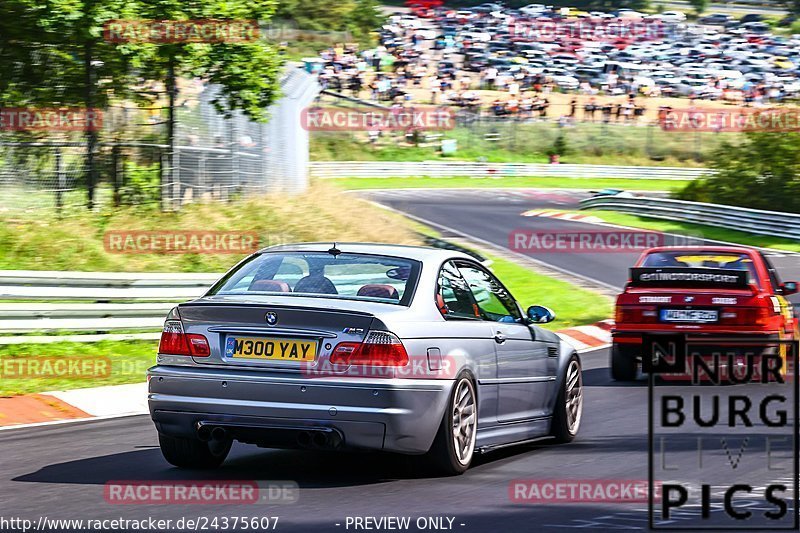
[269, 285]
[379, 291]
[315, 285]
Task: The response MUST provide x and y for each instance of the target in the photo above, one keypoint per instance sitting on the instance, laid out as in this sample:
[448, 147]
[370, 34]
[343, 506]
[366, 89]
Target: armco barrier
[442, 169]
[771, 223]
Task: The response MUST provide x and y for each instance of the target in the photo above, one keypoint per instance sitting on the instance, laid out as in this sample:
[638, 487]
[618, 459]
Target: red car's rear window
[700, 259]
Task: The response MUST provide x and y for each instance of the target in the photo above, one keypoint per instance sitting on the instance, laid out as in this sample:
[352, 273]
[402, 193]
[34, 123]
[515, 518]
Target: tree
[364, 18]
[698, 5]
[763, 172]
[793, 6]
[357, 16]
[53, 53]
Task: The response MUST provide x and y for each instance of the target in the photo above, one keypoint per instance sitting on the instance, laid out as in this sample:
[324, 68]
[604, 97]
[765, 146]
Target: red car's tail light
[636, 314]
[175, 342]
[379, 348]
[745, 316]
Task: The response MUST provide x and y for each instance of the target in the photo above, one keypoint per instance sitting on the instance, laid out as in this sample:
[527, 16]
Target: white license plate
[689, 315]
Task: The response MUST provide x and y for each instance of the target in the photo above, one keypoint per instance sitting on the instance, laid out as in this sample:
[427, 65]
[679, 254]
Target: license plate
[688, 315]
[270, 349]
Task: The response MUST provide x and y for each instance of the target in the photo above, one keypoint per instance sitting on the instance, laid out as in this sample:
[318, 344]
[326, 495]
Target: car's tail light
[175, 342]
[379, 348]
[636, 314]
[745, 316]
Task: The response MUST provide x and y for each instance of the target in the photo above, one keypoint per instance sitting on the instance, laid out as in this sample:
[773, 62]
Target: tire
[624, 365]
[459, 424]
[568, 410]
[193, 453]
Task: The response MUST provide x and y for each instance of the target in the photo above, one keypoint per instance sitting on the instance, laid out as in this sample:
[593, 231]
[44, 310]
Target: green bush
[763, 172]
[142, 184]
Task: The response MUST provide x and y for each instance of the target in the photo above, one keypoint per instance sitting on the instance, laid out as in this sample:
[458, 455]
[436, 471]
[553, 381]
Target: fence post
[234, 138]
[115, 174]
[61, 180]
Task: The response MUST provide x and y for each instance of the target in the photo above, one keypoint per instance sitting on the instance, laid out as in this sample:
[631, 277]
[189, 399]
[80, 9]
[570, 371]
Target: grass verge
[29, 368]
[695, 230]
[509, 181]
[573, 305]
[40, 240]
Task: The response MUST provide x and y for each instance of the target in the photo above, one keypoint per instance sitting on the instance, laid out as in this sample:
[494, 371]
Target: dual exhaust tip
[320, 440]
[206, 433]
[313, 439]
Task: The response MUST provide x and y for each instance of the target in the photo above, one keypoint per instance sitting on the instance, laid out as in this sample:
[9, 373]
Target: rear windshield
[346, 275]
[703, 260]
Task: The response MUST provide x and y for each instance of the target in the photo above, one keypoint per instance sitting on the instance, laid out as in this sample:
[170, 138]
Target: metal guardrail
[140, 301]
[755, 221]
[101, 287]
[441, 169]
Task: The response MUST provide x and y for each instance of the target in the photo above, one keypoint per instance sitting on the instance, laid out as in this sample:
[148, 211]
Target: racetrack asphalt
[60, 471]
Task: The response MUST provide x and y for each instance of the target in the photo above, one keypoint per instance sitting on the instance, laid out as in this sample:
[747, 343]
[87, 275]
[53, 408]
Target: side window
[493, 300]
[774, 279]
[453, 297]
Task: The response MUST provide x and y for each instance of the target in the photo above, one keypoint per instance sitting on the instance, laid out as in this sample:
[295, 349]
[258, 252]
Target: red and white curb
[586, 338]
[58, 407]
[562, 215]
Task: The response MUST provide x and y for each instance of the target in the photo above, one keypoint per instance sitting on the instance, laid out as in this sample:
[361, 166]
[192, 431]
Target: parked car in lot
[715, 19]
[733, 292]
[360, 346]
[672, 16]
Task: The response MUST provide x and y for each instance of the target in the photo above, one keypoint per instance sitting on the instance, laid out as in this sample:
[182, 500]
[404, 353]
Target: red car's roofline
[731, 249]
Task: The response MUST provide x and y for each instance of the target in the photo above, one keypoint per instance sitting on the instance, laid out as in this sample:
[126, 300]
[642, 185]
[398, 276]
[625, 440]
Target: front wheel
[569, 404]
[193, 453]
[454, 445]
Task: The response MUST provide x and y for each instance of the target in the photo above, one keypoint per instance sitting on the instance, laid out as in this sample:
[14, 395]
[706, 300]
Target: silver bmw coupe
[360, 346]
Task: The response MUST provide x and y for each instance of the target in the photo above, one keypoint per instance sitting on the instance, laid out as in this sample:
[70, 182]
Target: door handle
[499, 338]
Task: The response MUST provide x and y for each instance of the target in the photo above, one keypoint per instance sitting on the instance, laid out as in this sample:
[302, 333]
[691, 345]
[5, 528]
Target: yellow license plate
[270, 349]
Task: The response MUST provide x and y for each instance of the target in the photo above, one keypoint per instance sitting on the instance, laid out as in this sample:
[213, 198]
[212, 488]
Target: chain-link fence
[215, 156]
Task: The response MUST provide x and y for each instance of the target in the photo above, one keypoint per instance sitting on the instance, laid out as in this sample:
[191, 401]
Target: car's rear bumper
[633, 335]
[401, 415]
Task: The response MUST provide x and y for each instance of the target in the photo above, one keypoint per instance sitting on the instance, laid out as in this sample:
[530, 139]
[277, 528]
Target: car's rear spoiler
[721, 278]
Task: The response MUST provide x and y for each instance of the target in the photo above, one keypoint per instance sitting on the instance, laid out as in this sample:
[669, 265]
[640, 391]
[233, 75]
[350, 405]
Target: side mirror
[539, 314]
[789, 287]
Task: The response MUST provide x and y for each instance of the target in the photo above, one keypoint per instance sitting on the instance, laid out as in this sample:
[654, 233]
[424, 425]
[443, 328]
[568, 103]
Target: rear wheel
[623, 362]
[569, 404]
[454, 445]
[193, 453]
